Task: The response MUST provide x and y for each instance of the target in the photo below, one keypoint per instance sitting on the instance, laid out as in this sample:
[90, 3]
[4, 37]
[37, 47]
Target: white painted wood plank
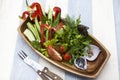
[117, 26]
[9, 21]
[104, 31]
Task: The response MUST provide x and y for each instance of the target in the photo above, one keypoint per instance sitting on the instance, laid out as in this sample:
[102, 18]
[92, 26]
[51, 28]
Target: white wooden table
[102, 27]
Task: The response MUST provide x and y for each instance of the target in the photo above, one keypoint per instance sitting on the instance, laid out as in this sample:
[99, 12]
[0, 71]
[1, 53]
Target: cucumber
[34, 30]
[37, 33]
[29, 35]
[50, 14]
[37, 24]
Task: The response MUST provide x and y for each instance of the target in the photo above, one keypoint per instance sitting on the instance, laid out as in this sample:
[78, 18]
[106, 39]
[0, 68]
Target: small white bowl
[92, 52]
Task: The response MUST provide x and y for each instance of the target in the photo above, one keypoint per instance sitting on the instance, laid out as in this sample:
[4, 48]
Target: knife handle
[42, 75]
[51, 74]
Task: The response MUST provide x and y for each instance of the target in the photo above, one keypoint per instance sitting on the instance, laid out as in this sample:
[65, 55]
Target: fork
[33, 64]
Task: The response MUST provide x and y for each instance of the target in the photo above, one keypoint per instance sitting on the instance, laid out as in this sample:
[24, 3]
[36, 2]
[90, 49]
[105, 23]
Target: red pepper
[38, 11]
[51, 30]
[42, 26]
[35, 14]
[24, 14]
[50, 34]
[60, 25]
[57, 10]
[55, 29]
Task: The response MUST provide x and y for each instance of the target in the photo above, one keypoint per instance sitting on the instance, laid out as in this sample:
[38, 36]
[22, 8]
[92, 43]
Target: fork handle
[42, 75]
[52, 75]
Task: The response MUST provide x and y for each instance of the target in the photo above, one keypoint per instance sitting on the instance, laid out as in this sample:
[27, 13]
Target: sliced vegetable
[29, 35]
[57, 11]
[34, 31]
[37, 24]
[42, 27]
[50, 16]
[34, 10]
[25, 14]
[38, 11]
[54, 54]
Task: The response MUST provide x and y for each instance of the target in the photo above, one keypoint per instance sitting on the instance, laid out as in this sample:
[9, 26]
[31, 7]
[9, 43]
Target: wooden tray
[94, 67]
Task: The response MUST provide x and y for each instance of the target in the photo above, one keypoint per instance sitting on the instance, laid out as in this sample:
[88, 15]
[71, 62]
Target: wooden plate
[94, 67]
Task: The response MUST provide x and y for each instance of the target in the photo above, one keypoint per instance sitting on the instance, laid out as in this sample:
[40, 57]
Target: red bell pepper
[38, 11]
[42, 26]
[57, 10]
[51, 30]
[24, 15]
[60, 25]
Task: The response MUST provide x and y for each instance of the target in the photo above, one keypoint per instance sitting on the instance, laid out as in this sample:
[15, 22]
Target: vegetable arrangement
[61, 40]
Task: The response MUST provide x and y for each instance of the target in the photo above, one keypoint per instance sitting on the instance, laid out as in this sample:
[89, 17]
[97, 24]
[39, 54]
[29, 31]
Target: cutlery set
[42, 71]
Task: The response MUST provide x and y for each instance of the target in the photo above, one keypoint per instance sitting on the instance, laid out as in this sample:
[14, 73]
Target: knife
[42, 71]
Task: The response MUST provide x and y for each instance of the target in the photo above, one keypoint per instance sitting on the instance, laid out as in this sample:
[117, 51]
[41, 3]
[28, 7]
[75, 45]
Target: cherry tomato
[67, 56]
[62, 49]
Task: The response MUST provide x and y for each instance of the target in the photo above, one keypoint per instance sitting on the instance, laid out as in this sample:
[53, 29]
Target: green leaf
[28, 6]
[50, 42]
[36, 45]
[27, 3]
[77, 21]
[44, 52]
[60, 32]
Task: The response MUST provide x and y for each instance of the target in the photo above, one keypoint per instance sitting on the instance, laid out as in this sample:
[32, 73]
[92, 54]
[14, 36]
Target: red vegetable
[67, 57]
[60, 25]
[53, 53]
[24, 14]
[38, 11]
[42, 26]
[62, 49]
[57, 10]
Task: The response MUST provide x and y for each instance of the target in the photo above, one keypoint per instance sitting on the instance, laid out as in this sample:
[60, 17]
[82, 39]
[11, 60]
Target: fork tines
[22, 54]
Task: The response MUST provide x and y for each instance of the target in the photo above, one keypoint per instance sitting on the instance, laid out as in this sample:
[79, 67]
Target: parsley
[71, 36]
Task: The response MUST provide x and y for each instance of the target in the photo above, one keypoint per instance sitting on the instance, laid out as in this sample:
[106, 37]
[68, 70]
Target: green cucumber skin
[34, 30]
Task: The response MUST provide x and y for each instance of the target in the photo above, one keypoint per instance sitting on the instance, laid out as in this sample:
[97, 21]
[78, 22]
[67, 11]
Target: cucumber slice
[34, 31]
[37, 24]
[50, 14]
[29, 35]
[37, 33]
